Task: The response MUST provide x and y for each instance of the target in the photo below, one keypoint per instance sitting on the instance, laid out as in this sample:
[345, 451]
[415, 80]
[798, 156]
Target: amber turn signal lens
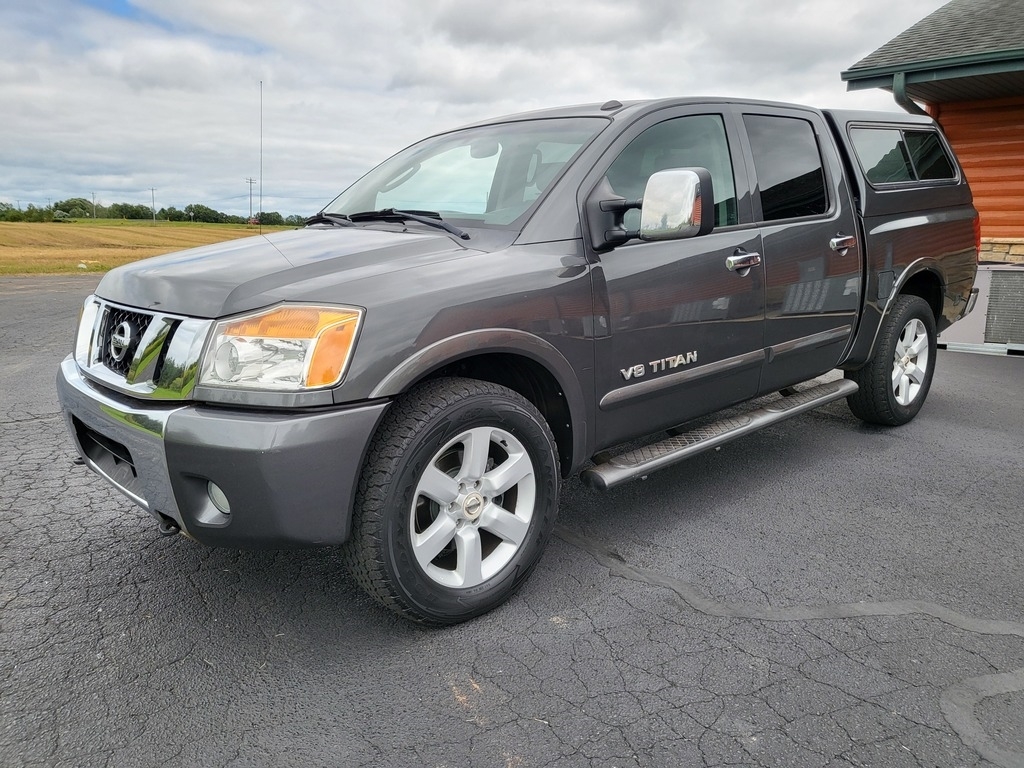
[331, 352]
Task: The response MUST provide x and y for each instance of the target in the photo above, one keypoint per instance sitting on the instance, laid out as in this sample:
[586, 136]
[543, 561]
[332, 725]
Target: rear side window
[788, 163]
[894, 156]
[929, 156]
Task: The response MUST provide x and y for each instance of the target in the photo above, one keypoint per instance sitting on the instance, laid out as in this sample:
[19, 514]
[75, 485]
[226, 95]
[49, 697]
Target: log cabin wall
[988, 137]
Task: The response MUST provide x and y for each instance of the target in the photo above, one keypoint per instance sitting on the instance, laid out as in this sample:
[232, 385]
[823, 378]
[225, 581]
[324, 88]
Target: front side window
[790, 173]
[683, 142]
[489, 175]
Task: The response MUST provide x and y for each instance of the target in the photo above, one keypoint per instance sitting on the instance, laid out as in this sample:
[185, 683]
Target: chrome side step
[616, 470]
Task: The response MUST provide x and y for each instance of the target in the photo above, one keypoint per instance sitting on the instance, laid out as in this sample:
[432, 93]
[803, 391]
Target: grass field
[96, 246]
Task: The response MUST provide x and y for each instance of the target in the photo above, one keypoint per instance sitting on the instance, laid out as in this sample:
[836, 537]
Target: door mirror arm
[605, 213]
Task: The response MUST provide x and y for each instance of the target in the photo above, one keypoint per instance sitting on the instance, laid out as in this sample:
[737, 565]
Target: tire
[456, 501]
[895, 382]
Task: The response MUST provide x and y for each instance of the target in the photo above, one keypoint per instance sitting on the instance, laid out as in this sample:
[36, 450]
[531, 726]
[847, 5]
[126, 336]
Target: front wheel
[894, 383]
[456, 501]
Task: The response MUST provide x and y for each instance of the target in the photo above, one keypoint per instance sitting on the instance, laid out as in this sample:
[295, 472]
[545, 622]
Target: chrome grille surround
[155, 355]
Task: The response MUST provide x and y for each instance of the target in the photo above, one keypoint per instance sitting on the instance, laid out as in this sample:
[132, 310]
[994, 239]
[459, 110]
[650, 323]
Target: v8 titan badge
[658, 366]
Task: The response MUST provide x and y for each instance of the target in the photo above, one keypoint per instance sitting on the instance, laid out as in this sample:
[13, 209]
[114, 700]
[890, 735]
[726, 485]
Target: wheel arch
[518, 360]
[923, 278]
[926, 283]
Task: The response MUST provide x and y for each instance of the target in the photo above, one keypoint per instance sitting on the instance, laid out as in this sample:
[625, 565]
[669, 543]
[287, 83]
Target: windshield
[485, 176]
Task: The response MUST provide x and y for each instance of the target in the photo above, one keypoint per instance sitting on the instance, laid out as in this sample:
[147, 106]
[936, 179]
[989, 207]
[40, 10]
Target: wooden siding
[988, 137]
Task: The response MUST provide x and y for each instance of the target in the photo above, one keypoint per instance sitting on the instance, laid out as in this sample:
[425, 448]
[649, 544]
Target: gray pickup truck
[413, 373]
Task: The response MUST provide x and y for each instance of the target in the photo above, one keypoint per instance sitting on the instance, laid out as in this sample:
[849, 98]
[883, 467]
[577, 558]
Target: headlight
[287, 349]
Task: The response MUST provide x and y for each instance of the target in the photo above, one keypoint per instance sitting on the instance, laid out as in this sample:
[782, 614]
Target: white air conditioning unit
[996, 326]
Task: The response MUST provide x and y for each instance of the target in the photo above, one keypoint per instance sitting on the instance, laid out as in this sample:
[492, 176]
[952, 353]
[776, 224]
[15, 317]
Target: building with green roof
[965, 64]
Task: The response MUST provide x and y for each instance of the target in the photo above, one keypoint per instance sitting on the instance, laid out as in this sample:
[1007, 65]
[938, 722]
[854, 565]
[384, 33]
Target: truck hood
[241, 275]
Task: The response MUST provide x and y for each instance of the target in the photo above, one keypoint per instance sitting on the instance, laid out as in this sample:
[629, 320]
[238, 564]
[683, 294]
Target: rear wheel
[895, 383]
[456, 501]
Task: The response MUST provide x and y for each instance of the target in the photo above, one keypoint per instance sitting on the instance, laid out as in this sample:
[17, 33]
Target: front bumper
[290, 478]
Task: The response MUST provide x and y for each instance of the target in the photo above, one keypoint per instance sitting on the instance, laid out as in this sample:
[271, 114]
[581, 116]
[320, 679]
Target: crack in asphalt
[959, 702]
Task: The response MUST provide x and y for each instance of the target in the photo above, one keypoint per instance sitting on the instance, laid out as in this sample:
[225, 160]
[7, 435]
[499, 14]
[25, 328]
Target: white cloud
[168, 96]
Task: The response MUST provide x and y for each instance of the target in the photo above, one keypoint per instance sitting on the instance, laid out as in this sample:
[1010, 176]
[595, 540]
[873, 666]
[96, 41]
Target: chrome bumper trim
[141, 430]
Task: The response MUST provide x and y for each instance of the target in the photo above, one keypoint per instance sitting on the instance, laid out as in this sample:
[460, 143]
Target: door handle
[741, 260]
[842, 243]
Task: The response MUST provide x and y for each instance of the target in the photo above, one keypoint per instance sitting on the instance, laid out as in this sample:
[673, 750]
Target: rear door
[811, 254]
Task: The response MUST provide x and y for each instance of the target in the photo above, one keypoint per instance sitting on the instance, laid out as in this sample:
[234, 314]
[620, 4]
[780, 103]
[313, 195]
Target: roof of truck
[614, 108]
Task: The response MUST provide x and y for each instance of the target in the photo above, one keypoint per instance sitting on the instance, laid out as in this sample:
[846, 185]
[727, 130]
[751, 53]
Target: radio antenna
[261, 158]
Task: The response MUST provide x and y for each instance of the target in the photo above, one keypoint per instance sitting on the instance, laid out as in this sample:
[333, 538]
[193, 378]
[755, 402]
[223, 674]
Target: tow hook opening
[167, 526]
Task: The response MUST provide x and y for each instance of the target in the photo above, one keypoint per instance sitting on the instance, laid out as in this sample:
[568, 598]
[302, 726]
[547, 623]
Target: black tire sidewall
[425, 597]
[909, 308]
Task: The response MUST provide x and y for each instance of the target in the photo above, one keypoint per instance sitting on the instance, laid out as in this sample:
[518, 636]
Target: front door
[683, 334]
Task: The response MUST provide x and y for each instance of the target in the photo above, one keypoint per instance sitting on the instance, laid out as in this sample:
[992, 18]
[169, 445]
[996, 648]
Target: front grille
[120, 335]
[150, 355]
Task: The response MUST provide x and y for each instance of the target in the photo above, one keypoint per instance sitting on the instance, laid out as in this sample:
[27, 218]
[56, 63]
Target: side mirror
[678, 203]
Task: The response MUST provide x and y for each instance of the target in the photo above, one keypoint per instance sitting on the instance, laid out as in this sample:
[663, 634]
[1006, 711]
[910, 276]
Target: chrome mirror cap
[677, 203]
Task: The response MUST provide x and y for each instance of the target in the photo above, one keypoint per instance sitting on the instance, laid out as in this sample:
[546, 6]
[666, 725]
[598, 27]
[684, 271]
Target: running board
[642, 461]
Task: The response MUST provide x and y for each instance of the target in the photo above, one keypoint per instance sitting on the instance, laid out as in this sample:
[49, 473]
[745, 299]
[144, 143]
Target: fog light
[218, 497]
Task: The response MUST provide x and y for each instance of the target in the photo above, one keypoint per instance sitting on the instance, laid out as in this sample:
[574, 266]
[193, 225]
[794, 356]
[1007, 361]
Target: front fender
[485, 341]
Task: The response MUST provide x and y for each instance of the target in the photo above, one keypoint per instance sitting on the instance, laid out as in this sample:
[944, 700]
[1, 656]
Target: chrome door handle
[742, 260]
[842, 243]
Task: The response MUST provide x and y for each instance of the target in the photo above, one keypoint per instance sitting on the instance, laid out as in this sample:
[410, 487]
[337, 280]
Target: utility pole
[152, 191]
[94, 206]
[250, 181]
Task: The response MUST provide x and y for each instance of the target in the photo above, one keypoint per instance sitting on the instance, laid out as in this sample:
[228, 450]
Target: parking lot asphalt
[822, 593]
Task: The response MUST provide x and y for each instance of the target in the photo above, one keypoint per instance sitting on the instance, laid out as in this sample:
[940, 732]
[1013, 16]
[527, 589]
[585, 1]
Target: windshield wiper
[337, 219]
[430, 218]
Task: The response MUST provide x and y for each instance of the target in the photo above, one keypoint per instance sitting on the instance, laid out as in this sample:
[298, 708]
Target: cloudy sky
[118, 97]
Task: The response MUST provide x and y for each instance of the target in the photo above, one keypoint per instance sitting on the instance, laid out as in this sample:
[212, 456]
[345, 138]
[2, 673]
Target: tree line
[80, 208]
